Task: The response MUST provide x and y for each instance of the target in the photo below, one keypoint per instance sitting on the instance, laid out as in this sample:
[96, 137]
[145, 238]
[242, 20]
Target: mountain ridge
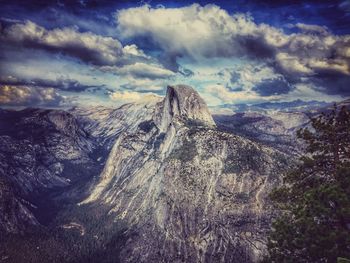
[180, 173]
[182, 103]
[163, 182]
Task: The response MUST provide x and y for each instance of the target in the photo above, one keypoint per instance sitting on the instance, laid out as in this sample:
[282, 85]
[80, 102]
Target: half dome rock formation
[185, 191]
[182, 103]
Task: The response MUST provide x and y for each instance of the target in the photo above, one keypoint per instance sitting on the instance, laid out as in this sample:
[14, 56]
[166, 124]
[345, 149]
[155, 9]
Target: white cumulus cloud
[29, 96]
[141, 70]
[87, 46]
[131, 96]
[200, 32]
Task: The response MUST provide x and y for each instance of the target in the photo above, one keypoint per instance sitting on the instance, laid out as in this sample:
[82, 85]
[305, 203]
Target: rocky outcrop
[15, 215]
[186, 191]
[106, 124]
[182, 103]
[43, 153]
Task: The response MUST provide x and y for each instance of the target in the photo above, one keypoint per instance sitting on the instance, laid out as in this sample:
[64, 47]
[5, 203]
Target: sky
[87, 52]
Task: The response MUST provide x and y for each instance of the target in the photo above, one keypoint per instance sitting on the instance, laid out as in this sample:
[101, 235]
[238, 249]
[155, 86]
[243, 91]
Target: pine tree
[314, 224]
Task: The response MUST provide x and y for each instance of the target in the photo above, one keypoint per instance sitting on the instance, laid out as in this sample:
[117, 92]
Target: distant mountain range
[290, 106]
[156, 181]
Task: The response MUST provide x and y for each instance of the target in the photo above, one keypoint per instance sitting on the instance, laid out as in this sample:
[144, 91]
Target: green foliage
[101, 242]
[314, 225]
[343, 260]
[247, 158]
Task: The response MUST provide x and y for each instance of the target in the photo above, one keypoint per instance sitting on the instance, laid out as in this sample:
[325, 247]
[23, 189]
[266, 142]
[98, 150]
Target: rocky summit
[152, 181]
[182, 103]
[188, 192]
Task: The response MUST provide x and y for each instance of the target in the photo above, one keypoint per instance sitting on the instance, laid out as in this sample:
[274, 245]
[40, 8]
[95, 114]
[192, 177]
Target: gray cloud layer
[141, 70]
[314, 54]
[104, 54]
[250, 61]
[86, 46]
[60, 83]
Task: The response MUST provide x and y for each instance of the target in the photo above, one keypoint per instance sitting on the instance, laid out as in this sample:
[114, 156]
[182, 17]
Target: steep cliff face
[43, 153]
[15, 215]
[106, 124]
[54, 154]
[186, 191]
[182, 103]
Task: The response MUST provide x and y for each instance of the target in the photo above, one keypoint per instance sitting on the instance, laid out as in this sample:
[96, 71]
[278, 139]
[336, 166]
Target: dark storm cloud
[331, 13]
[88, 47]
[255, 47]
[302, 43]
[273, 87]
[60, 84]
[107, 54]
[74, 5]
[332, 83]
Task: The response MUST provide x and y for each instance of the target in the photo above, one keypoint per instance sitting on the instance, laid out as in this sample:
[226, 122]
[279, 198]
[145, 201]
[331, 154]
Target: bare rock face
[42, 151]
[186, 191]
[15, 216]
[181, 104]
[106, 124]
